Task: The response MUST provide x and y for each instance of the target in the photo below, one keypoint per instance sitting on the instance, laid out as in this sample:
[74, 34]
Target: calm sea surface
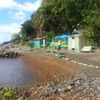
[15, 72]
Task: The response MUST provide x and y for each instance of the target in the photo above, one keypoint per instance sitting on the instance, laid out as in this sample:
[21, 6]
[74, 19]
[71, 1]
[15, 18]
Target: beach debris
[61, 56]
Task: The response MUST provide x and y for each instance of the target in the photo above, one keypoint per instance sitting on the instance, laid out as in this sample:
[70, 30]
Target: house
[39, 42]
[76, 42]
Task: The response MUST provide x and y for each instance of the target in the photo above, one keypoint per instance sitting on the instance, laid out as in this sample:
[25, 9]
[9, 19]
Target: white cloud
[27, 6]
[19, 15]
[6, 31]
[6, 3]
[16, 11]
[14, 27]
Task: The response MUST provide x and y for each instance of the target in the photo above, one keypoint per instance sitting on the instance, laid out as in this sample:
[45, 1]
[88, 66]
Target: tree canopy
[60, 16]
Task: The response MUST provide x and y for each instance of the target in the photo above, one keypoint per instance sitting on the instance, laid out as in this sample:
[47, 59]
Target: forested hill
[59, 16]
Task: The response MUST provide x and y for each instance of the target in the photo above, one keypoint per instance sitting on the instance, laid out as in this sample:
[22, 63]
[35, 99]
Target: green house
[37, 43]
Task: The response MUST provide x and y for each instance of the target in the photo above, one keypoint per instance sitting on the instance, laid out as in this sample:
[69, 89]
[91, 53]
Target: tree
[27, 31]
[49, 36]
[63, 15]
[92, 21]
[58, 15]
[92, 30]
[16, 37]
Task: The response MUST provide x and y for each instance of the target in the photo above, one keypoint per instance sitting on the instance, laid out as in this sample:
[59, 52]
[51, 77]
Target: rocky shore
[80, 88]
[59, 79]
[7, 52]
[11, 54]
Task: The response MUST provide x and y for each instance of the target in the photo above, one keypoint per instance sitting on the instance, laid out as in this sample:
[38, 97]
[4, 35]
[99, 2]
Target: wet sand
[50, 68]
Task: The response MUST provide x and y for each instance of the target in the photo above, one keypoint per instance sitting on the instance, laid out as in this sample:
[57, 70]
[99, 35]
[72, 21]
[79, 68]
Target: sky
[13, 13]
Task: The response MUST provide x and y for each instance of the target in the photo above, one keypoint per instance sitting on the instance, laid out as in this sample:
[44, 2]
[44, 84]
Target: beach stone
[98, 97]
[81, 63]
[65, 89]
[85, 98]
[20, 98]
[69, 87]
[85, 64]
[66, 58]
[81, 88]
[90, 66]
[71, 82]
[59, 89]
[54, 91]
[96, 67]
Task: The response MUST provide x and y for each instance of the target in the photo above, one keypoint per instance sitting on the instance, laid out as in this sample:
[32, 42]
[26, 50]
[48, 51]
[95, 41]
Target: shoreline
[48, 68]
[58, 79]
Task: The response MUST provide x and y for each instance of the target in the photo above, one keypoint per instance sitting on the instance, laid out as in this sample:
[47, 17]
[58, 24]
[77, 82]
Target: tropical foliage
[61, 16]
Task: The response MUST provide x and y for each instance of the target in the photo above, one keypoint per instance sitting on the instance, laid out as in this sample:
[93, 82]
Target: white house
[76, 42]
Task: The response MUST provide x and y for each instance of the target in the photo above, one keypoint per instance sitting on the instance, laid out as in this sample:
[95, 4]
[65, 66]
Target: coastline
[58, 79]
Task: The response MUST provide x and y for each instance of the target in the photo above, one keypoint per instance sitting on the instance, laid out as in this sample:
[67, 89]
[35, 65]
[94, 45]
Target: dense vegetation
[59, 16]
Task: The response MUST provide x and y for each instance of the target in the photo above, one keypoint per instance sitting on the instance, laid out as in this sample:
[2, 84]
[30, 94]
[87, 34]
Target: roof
[76, 35]
[64, 36]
